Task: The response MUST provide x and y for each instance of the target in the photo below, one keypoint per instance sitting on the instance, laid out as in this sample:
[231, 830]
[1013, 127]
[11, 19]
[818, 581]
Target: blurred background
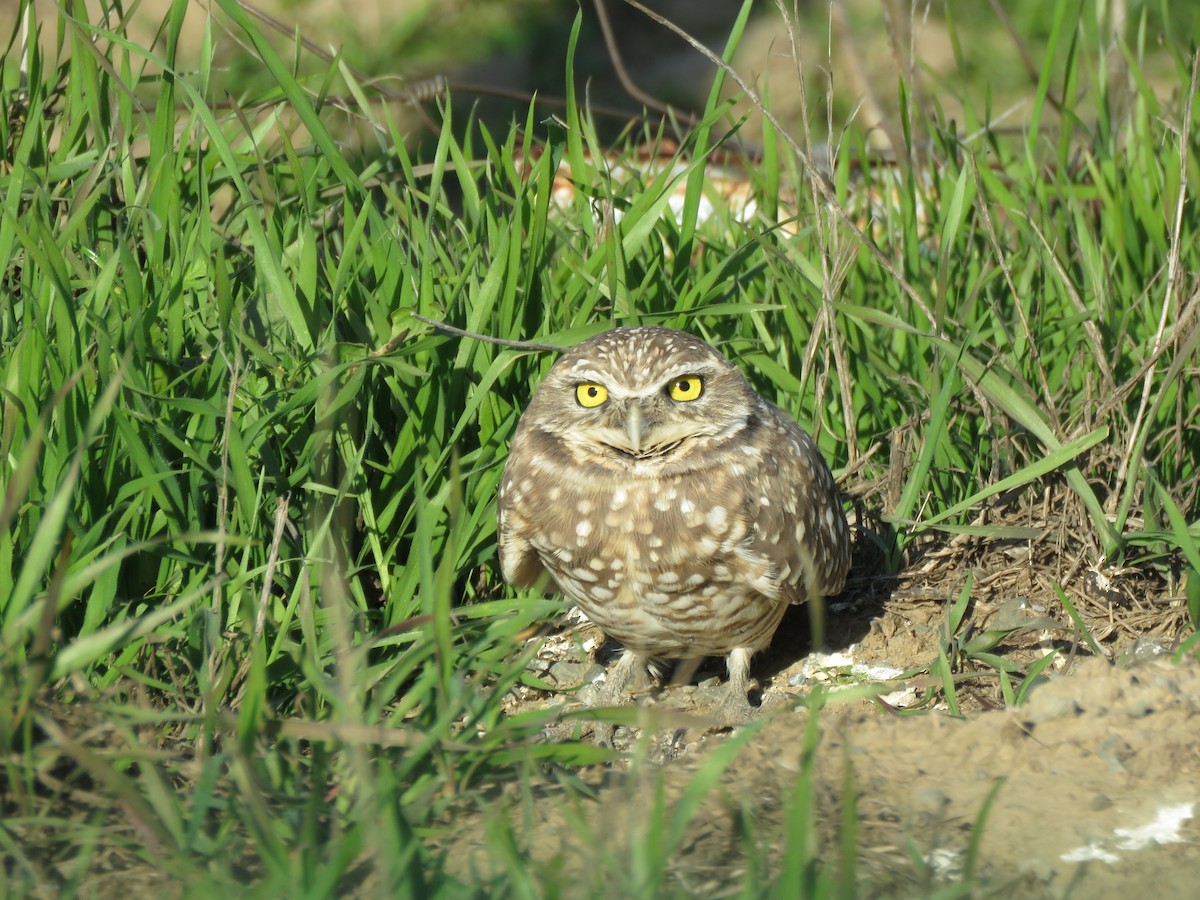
[982, 54]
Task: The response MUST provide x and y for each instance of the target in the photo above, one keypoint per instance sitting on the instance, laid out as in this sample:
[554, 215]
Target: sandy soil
[1096, 774]
[1098, 777]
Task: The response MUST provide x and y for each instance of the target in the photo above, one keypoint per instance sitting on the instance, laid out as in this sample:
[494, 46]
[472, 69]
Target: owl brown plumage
[681, 511]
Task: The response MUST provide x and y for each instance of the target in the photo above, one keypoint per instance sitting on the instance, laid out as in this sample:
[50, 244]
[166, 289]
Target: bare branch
[488, 339]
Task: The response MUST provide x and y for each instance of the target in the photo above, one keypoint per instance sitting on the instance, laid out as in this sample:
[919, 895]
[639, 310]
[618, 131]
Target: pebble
[710, 690]
[1114, 750]
[1148, 648]
[567, 674]
[1036, 868]
[1139, 708]
[930, 800]
[1052, 708]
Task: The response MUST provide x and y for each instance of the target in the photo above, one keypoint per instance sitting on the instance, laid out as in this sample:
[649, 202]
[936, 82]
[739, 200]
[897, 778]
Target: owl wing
[519, 560]
[798, 542]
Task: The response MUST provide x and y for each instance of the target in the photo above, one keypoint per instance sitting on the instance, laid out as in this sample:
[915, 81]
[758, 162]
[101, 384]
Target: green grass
[248, 593]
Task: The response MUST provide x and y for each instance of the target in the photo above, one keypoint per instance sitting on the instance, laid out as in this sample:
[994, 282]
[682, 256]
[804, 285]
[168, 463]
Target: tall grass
[251, 626]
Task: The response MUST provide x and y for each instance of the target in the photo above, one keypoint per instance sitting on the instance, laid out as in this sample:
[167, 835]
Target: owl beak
[633, 427]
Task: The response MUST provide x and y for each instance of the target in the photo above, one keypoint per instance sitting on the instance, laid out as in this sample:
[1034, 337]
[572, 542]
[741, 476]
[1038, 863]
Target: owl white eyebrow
[587, 376]
[617, 390]
[701, 370]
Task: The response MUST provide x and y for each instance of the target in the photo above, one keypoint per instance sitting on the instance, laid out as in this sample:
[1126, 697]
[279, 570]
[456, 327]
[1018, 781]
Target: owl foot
[615, 692]
[736, 708]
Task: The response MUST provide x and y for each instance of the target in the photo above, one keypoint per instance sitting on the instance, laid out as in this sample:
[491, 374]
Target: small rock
[1114, 750]
[1139, 708]
[1166, 682]
[567, 674]
[1037, 869]
[930, 801]
[1052, 708]
[1148, 648]
[710, 691]
[1143, 650]
[593, 684]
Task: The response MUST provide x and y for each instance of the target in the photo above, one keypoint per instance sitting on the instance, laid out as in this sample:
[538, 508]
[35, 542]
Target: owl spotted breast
[681, 511]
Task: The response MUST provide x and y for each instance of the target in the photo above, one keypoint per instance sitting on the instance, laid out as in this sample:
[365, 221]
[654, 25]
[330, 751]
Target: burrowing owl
[679, 509]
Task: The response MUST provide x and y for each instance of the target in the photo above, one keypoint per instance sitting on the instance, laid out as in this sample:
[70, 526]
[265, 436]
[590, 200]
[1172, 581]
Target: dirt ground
[1096, 775]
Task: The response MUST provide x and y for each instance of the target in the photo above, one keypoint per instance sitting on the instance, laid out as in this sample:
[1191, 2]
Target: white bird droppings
[1164, 828]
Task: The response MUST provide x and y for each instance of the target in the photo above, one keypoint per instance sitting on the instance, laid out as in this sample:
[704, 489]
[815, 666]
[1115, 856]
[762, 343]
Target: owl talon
[736, 709]
[615, 692]
[602, 735]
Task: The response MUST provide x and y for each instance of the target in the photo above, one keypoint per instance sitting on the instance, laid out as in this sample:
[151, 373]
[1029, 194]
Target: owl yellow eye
[689, 387]
[590, 394]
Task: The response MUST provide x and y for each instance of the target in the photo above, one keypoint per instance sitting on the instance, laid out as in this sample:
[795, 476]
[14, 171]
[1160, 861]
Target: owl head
[639, 397]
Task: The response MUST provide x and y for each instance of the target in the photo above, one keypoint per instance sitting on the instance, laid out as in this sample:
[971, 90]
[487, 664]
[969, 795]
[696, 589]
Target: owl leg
[617, 682]
[619, 679]
[736, 708]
